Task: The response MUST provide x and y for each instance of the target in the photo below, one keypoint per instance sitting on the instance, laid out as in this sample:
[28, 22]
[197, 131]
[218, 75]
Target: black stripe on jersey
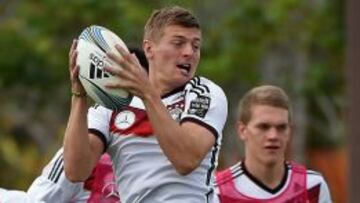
[240, 172]
[196, 87]
[58, 159]
[195, 83]
[208, 195]
[212, 162]
[57, 169]
[236, 171]
[197, 121]
[59, 174]
[196, 90]
[100, 135]
[197, 80]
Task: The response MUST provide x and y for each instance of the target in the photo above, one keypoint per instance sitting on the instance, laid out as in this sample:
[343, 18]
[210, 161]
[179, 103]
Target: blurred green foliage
[35, 37]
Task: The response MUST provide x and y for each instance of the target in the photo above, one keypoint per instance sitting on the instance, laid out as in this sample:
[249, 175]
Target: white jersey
[53, 186]
[12, 196]
[143, 172]
[247, 185]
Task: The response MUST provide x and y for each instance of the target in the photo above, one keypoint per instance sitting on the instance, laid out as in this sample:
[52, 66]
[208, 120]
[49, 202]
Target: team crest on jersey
[199, 106]
[175, 113]
[125, 119]
[176, 109]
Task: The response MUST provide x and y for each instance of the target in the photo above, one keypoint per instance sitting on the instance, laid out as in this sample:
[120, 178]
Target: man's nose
[188, 49]
[273, 133]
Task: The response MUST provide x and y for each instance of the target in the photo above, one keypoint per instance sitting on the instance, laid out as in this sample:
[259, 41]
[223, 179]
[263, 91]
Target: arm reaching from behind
[81, 149]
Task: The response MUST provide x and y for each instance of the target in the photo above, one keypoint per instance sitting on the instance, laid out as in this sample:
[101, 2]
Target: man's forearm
[185, 150]
[77, 149]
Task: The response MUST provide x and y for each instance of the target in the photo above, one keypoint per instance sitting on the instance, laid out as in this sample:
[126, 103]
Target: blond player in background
[264, 175]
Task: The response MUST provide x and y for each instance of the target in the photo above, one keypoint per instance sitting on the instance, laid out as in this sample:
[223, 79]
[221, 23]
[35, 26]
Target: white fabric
[144, 174]
[53, 186]
[16, 196]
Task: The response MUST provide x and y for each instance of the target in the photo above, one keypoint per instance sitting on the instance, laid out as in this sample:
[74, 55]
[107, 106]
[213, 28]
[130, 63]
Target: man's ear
[241, 128]
[148, 48]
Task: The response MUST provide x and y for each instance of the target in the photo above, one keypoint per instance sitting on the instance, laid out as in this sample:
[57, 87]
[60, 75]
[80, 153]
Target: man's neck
[163, 87]
[158, 84]
[270, 175]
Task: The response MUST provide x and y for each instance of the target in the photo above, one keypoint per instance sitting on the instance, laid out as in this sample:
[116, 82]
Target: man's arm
[81, 149]
[185, 145]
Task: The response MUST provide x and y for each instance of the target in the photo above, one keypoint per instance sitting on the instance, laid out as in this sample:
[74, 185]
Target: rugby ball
[93, 43]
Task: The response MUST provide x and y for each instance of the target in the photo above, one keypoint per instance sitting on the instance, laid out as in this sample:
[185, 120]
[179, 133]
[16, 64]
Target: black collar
[176, 90]
[261, 184]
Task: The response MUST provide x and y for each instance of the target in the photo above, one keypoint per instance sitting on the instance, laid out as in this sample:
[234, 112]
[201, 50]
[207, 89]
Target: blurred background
[296, 44]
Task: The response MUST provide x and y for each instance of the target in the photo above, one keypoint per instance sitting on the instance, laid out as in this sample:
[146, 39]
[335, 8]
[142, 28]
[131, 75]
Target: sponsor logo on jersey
[125, 119]
[199, 106]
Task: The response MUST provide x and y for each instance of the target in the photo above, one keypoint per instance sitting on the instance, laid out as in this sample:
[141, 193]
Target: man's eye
[263, 126]
[177, 43]
[196, 47]
[282, 127]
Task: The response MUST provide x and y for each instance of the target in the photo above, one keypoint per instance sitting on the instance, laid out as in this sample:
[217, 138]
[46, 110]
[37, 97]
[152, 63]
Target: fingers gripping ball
[93, 43]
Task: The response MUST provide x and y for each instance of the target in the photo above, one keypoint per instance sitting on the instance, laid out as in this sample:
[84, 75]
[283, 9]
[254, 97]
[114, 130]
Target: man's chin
[272, 161]
[183, 80]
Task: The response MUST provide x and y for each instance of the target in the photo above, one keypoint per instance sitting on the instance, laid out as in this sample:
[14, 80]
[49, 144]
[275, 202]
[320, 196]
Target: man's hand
[76, 85]
[133, 77]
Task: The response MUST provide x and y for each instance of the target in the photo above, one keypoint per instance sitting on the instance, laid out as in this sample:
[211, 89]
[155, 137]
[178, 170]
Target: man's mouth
[272, 147]
[185, 67]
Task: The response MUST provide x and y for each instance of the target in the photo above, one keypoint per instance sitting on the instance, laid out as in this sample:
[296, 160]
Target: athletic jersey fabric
[12, 196]
[53, 186]
[143, 172]
[236, 184]
[102, 183]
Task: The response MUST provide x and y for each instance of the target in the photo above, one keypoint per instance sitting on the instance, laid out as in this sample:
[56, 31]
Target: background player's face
[174, 57]
[266, 134]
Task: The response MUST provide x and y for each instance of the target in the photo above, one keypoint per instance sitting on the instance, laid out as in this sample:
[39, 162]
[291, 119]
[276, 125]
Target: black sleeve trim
[56, 169]
[101, 136]
[205, 125]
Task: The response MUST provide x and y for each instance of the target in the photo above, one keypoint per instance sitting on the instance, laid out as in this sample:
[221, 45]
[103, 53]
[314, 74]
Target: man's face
[174, 57]
[266, 135]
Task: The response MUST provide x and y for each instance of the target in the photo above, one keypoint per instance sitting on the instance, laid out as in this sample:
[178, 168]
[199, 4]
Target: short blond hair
[161, 18]
[262, 95]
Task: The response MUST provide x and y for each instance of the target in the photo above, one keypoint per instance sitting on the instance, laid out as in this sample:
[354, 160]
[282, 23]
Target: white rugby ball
[93, 43]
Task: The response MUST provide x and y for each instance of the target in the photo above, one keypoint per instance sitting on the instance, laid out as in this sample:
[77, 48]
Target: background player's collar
[261, 184]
